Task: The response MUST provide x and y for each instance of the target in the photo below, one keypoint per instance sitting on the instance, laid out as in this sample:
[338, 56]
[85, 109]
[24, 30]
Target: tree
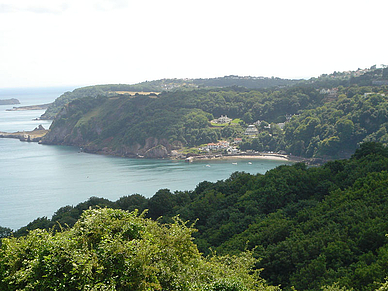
[161, 203]
[345, 128]
[248, 118]
[5, 232]
[385, 73]
[370, 148]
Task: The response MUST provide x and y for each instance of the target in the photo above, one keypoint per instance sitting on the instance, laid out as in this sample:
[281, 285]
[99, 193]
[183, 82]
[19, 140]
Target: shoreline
[260, 156]
[37, 134]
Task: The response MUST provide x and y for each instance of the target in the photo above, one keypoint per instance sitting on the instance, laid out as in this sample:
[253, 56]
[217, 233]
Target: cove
[38, 179]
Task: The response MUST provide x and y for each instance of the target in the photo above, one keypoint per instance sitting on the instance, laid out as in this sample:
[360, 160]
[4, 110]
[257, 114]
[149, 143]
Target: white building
[223, 119]
[251, 130]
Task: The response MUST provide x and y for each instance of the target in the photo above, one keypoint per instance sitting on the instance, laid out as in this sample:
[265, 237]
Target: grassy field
[132, 93]
[236, 121]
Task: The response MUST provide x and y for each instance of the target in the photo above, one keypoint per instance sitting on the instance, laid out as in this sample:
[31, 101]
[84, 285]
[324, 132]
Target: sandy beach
[263, 156]
[259, 157]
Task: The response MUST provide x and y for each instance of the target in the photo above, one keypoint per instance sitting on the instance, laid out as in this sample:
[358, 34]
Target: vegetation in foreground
[308, 227]
[118, 250]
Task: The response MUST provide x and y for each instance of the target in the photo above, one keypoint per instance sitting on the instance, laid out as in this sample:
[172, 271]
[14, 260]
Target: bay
[36, 180]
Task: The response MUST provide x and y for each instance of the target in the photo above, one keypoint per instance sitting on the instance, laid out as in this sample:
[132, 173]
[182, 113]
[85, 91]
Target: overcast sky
[87, 42]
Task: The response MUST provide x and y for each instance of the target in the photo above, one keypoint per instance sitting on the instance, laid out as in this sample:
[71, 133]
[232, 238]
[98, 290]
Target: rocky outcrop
[31, 136]
[157, 152]
[104, 127]
[40, 127]
[153, 148]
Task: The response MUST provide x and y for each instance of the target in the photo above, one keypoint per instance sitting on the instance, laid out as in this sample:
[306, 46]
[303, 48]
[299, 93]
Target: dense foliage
[334, 129]
[117, 250]
[311, 227]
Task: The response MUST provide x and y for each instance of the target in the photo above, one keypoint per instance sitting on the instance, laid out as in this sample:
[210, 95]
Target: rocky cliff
[106, 126]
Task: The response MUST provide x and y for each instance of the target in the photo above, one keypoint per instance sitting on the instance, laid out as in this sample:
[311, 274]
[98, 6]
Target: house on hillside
[331, 94]
[281, 125]
[379, 82]
[222, 120]
[251, 130]
[288, 117]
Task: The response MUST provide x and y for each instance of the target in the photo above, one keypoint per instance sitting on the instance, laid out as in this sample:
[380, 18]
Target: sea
[36, 180]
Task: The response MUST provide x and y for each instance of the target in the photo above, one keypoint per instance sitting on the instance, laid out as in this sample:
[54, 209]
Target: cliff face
[104, 126]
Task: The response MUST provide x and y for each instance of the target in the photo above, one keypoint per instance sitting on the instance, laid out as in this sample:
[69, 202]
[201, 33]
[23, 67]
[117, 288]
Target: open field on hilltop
[132, 93]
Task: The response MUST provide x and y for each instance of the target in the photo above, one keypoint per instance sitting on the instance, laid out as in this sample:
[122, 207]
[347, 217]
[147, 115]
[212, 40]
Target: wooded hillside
[314, 124]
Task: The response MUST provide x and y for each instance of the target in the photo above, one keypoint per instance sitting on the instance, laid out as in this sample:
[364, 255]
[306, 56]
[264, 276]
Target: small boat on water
[234, 163]
[249, 163]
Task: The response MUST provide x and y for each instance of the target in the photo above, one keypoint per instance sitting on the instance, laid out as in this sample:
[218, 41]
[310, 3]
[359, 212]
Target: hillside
[362, 77]
[154, 125]
[310, 227]
[165, 85]
[299, 120]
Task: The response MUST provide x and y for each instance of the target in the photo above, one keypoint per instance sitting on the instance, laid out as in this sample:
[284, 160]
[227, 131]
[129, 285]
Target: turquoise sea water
[36, 180]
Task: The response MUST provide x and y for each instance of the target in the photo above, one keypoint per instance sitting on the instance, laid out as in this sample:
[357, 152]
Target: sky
[45, 43]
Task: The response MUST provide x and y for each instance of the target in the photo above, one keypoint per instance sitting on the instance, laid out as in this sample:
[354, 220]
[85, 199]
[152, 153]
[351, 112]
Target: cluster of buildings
[251, 131]
[331, 94]
[222, 120]
[221, 145]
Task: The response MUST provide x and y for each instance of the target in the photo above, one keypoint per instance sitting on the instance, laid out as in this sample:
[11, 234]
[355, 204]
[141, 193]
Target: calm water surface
[36, 180]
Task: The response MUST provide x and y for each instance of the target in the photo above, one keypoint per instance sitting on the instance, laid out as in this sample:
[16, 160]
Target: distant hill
[362, 77]
[165, 85]
[248, 82]
[11, 101]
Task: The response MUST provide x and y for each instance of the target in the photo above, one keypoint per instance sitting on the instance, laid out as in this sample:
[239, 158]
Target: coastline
[29, 107]
[37, 134]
